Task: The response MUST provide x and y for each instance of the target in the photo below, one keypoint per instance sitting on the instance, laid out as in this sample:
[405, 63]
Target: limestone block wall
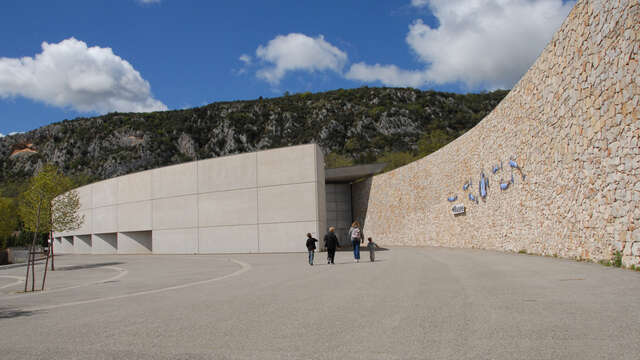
[255, 202]
[572, 124]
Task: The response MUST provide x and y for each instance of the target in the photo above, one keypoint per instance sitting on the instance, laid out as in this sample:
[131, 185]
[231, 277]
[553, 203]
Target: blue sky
[133, 55]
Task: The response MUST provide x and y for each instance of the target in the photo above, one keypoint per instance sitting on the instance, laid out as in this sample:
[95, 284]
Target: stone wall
[572, 124]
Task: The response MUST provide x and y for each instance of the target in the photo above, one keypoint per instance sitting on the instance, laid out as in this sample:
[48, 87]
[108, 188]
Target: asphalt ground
[413, 303]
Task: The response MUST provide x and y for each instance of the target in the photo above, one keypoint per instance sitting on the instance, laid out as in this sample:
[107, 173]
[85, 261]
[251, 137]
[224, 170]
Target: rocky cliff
[360, 124]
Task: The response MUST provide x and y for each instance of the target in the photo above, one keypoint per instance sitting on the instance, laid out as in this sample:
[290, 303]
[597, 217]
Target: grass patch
[617, 259]
[604, 262]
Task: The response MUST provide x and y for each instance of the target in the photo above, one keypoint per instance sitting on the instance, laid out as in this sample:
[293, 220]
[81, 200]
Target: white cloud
[246, 59]
[70, 74]
[149, 1]
[296, 51]
[387, 74]
[11, 133]
[481, 43]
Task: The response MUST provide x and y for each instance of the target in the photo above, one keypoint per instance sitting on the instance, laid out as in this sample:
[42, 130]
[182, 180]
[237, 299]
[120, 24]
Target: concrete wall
[82, 244]
[66, 245]
[338, 200]
[104, 243]
[57, 244]
[256, 202]
[321, 201]
[134, 242]
[573, 125]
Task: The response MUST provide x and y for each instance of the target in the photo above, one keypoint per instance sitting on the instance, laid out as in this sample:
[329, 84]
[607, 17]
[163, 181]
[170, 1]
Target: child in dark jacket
[372, 250]
[311, 247]
[331, 243]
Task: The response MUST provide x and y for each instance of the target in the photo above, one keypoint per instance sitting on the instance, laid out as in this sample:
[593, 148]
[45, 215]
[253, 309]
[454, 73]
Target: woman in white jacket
[356, 236]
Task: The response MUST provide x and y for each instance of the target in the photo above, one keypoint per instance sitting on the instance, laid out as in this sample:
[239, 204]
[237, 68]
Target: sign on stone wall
[458, 209]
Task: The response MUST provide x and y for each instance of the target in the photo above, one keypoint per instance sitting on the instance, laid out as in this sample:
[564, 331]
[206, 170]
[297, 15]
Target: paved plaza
[414, 303]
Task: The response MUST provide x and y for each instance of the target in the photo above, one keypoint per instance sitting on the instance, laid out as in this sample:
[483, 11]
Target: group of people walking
[331, 243]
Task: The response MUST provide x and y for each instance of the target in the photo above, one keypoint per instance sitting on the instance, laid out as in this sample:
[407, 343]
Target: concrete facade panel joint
[207, 206]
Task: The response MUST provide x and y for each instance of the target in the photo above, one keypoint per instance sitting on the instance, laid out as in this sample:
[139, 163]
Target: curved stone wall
[572, 124]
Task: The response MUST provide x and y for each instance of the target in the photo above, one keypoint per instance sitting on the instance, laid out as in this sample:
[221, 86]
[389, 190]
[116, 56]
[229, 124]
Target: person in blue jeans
[356, 236]
[311, 247]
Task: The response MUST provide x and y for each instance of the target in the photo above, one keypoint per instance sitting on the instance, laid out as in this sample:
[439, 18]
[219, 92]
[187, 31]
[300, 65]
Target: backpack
[355, 234]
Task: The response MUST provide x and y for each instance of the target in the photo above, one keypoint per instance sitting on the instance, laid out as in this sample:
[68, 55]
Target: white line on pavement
[121, 272]
[13, 283]
[244, 268]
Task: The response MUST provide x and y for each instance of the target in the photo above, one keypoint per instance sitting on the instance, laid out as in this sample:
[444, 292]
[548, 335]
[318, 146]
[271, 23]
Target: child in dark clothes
[372, 249]
[311, 247]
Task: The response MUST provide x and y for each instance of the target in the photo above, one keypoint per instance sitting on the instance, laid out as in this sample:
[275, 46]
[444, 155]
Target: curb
[11, 266]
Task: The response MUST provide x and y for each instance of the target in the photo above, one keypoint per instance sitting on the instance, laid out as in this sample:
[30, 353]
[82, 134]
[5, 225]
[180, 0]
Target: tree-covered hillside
[352, 126]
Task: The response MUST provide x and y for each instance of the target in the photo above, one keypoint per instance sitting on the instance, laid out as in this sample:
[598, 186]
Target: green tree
[432, 141]
[335, 160]
[49, 204]
[64, 212]
[8, 220]
[395, 159]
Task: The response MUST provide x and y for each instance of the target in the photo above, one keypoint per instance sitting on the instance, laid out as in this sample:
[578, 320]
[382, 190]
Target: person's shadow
[363, 248]
[364, 255]
[363, 260]
[88, 266]
[11, 312]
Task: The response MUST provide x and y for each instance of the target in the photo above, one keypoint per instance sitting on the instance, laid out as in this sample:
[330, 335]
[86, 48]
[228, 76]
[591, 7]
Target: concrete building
[257, 202]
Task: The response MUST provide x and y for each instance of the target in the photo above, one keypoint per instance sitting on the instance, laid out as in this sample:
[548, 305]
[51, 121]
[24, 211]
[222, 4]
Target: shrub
[335, 160]
[396, 159]
[617, 259]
